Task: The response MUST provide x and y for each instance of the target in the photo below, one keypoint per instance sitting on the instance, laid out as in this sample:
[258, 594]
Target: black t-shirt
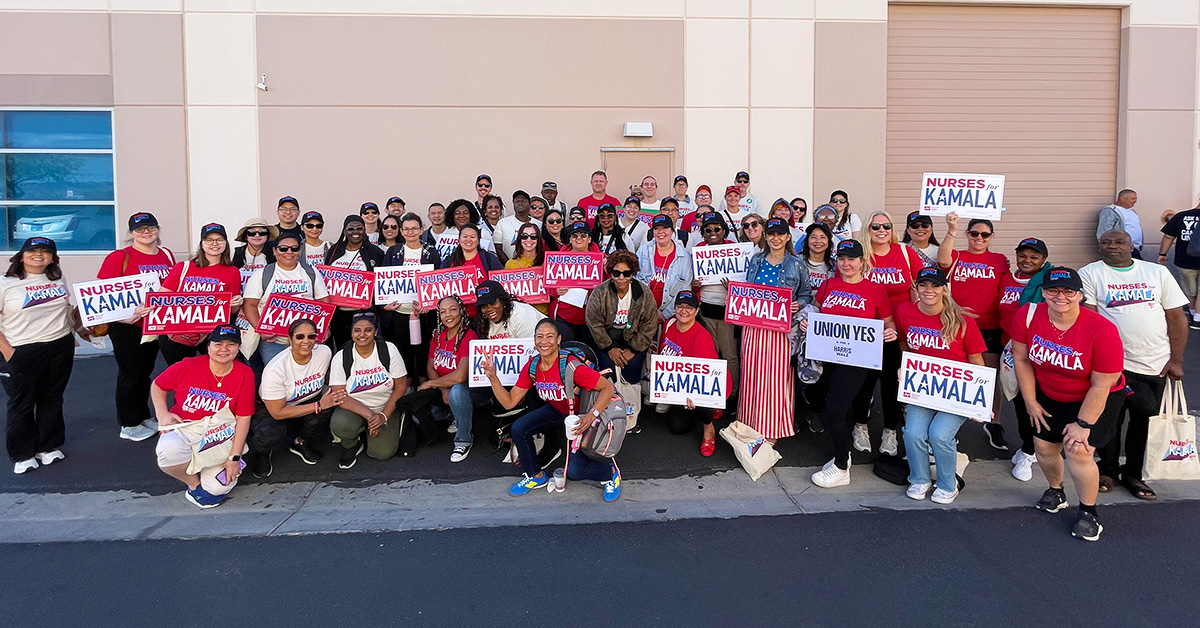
[1183, 226]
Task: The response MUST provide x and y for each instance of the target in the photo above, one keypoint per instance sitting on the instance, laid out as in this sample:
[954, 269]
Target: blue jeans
[463, 408]
[925, 429]
[268, 350]
[632, 371]
[546, 419]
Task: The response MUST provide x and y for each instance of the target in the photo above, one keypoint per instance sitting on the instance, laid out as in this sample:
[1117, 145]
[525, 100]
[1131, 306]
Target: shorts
[992, 338]
[1189, 280]
[1065, 413]
[172, 450]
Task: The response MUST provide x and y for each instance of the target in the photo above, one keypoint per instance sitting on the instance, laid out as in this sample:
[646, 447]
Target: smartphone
[223, 476]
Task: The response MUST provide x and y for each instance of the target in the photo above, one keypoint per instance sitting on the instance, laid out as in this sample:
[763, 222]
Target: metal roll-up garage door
[1027, 92]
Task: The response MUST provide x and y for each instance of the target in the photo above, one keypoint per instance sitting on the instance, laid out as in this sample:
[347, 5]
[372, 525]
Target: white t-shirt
[445, 241]
[295, 383]
[748, 205]
[652, 207]
[622, 317]
[35, 309]
[635, 235]
[506, 233]
[315, 254]
[373, 237]
[368, 383]
[850, 230]
[252, 263]
[520, 324]
[294, 282]
[351, 259]
[1135, 300]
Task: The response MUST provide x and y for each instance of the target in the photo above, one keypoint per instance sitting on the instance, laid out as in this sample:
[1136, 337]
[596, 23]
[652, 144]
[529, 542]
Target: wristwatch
[595, 413]
[1084, 424]
[234, 458]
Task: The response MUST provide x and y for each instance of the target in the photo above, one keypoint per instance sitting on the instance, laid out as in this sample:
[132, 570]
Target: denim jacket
[793, 275]
[679, 273]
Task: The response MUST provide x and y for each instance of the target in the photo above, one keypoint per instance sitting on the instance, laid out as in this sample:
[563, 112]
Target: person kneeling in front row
[373, 384]
[548, 380]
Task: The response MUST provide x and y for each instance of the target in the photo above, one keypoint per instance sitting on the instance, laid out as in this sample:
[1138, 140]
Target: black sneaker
[306, 452]
[1087, 527]
[815, 424]
[1052, 501]
[260, 464]
[350, 456]
[1194, 323]
[995, 434]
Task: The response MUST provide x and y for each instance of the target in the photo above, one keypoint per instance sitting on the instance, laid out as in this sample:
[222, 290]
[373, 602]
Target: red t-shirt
[590, 205]
[923, 333]
[1064, 366]
[480, 276]
[895, 272]
[138, 263]
[975, 282]
[199, 394]
[214, 278]
[865, 299]
[1010, 301]
[658, 278]
[442, 354]
[549, 384]
[693, 343]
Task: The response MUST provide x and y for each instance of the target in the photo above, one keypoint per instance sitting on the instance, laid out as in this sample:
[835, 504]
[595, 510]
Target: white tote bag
[752, 450]
[1171, 443]
[632, 395]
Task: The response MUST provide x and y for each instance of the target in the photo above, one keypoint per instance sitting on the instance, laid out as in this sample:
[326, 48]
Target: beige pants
[722, 334]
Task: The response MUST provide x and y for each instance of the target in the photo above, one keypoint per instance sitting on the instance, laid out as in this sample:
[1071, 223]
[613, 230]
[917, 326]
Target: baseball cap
[1034, 244]
[713, 218]
[687, 297]
[142, 219]
[1062, 277]
[679, 178]
[917, 216]
[634, 199]
[662, 221]
[742, 175]
[578, 227]
[670, 199]
[776, 225]
[704, 188]
[482, 177]
[933, 275]
[849, 248]
[394, 199]
[606, 208]
[225, 332]
[288, 199]
[213, 227]
[550, 185]
[310, 215]
[488, 292]
[39, 242]
[733, 188]
[368, 205]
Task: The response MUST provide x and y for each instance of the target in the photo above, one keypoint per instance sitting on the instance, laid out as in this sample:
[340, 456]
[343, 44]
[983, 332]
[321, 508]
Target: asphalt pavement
[1011, 567]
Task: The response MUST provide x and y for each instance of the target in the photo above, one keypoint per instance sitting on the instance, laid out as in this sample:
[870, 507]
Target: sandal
[707, 447]
[1138, 489]
[1107, 483]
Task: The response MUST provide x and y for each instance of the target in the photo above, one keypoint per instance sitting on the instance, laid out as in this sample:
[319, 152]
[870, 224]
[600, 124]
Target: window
[57, 168]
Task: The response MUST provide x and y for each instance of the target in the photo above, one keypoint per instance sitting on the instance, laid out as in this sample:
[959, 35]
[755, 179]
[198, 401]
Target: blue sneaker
[203, 498]
[526, 484]
[612, 488]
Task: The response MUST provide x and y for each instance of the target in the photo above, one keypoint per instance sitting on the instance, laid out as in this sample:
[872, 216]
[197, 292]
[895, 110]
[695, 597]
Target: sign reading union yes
[509, 355]
[845, 340]
[956, 387]
[968, 195]
[111, 300]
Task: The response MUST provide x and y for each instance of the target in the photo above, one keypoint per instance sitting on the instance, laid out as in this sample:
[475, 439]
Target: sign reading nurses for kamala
[946, 385]
[509, 355]
[435, 285]
[845, 340]
[111, 300]
[397, 284]
[526, 284]
[968, 195]
[711, 264]
[752, 305]
[565, 269]
[280, 310]
[185, 312]
[675, 380]
[347, 287]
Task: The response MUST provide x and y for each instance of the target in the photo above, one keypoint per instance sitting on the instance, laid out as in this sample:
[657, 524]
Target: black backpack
[381, 350]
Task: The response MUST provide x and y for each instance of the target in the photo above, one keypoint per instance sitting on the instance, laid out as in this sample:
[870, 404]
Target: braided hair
[464, 323]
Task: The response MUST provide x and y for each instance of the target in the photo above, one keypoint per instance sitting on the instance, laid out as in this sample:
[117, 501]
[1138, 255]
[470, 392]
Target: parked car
[84, 227]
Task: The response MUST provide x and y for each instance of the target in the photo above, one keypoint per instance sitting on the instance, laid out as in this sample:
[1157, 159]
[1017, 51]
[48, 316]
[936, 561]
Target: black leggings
[135, 364]
[844, 383]
[680, 420]
[37, 378]
[889, 388]
[416, 357]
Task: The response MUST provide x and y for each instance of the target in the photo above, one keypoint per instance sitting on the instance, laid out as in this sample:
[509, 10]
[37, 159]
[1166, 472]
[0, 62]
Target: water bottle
[414, 329]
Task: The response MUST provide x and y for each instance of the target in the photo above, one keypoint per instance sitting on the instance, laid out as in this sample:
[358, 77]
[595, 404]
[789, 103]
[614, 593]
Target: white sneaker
[452, 429]
[1023, 465]
[25, 465]
[830, 476]
[888, 445]
[661, 408]
[137, 433]
[943, 497]
[917, 491]
[862, 438]
[151, 424]
[49, 457]
[460, 452]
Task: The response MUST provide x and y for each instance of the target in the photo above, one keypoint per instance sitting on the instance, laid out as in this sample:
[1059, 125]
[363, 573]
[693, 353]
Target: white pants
[172, 450]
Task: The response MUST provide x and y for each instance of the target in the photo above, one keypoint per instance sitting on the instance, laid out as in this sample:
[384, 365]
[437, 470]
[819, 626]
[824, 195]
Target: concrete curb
[321, 508]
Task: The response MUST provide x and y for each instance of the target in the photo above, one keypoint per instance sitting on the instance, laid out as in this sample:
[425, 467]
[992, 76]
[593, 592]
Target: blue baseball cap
[39, 242]
[213, 227]
[849, 248]
[225, 332]
[662, 221]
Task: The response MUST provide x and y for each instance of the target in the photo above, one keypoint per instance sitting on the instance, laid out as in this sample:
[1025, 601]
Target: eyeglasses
[980, 234]
[837, 201]
[529, 236]
[622, 273]
[555, 222]
[145, 229]
[881, 226]
[288, 249]
[305, 336]
[314, 225]
[370, 212]
[258, 234]
[214, 240]
[708, 230]
[1066, 292]
[580, 235]
[411, 229]
[751, 224]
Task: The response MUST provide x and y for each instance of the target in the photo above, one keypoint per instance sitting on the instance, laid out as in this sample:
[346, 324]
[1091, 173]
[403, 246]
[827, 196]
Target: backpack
[381, 350]
[269, 273]
[603, 440]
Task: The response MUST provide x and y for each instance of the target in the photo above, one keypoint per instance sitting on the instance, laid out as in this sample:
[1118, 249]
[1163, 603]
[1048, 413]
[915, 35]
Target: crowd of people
[1092, 348]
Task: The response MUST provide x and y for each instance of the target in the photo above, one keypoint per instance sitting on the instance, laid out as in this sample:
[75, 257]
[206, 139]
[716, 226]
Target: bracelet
[1162, 253]
[318, 405]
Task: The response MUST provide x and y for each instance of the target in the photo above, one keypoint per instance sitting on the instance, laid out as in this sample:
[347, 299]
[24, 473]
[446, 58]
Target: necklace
[220, 378]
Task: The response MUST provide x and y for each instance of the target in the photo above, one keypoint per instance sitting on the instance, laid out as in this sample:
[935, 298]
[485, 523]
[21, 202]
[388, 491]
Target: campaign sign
[566, 269]
[434, 285]
[959, 388]
[968, 195]
[279, 310]
[446, 242]
[526, 284]
[347, 287]
[752, 305]
[845, 340]
[711, 264]
[185, 312]
[397, 284]
[674, 380]
[111, 300]
[510, 356]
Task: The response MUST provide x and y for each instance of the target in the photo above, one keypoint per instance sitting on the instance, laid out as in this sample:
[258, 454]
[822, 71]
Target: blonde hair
[866, 227]
[953, 317]
[866, 263]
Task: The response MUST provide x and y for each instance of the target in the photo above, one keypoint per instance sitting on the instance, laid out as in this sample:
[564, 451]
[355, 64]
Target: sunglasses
[529, 236]
[742, 181]
[622, 273]
[837, 201]
[713, 230]
[555, 222]
[881, 226]
[980, 234]
[920, 224]
[370, 212]
[288, 249]
[483, 185]
[753, 224]
[390, 227]
[355, 229]
[797, 208]
[314, 225]
[305, 336]
[258, 234]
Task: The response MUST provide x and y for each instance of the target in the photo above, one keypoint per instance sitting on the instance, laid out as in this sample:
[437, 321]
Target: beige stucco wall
[372, 98]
